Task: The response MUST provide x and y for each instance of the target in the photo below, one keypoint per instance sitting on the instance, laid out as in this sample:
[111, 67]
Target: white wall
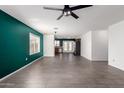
[86, 45]
[100, 45]
[94, 45]
[49, 45]
[116, 45]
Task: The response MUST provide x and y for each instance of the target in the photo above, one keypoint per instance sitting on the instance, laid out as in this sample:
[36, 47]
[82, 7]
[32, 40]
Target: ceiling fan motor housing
[67, 11]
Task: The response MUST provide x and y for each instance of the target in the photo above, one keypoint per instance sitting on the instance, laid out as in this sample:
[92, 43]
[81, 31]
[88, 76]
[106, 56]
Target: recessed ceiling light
[56, 28]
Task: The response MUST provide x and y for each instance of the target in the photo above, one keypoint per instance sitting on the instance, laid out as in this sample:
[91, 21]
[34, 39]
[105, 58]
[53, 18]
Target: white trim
[95, 59]
[19, 69]
[86, 58]
[49, 55]
[99, 59]
[122, 69]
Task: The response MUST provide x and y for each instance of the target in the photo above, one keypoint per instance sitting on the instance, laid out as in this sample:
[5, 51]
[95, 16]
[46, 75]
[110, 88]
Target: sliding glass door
[68, 46]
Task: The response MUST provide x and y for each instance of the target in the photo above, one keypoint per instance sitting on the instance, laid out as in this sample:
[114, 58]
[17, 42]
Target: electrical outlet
[26, 59]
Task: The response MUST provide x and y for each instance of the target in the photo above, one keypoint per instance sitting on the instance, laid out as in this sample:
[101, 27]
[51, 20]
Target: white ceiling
[98, 17]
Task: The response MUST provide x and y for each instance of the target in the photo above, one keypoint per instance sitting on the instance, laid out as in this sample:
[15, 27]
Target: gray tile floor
[66, 71]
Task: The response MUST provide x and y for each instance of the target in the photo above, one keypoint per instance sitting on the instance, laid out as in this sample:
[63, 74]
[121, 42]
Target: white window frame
[36, 40]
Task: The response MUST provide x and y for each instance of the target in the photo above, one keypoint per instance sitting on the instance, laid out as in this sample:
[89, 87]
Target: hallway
[66, 71]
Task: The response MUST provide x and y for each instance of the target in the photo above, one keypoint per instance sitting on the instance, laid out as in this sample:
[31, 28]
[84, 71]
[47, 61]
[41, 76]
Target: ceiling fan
[67, 11]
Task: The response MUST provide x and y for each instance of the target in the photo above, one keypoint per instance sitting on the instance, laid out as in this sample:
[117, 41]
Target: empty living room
[61, 45]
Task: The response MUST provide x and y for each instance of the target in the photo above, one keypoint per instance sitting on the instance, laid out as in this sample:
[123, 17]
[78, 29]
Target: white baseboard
[120, 68]
[86, 58]
[49, 55]
[19, 69]
[95, 59]
[99, 60]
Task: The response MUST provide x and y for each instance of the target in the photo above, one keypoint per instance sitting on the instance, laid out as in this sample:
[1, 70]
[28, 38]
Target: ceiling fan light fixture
[67, 13]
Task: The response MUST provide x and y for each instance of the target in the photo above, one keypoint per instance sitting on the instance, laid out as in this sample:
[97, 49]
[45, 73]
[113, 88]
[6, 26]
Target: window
[34, 43]
[65, 46]
[68, 46]
[57, 43]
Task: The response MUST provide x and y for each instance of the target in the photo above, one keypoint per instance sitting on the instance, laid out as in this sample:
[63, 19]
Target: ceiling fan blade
[80, 6]
[74, 15]
[60, 17]
[51, 8]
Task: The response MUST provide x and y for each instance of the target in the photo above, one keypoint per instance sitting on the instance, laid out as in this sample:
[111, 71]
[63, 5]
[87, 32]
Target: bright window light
[34, 43]
[68, 46]
[57, 43]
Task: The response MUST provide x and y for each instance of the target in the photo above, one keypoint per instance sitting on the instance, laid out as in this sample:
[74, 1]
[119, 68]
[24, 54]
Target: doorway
[68, 46]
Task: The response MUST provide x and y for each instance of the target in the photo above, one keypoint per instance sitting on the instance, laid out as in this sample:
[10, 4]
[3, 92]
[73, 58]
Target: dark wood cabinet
[58, 50]
[77, 47]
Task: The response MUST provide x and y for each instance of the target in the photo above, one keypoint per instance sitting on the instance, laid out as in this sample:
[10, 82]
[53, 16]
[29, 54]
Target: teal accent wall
[14, 44]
